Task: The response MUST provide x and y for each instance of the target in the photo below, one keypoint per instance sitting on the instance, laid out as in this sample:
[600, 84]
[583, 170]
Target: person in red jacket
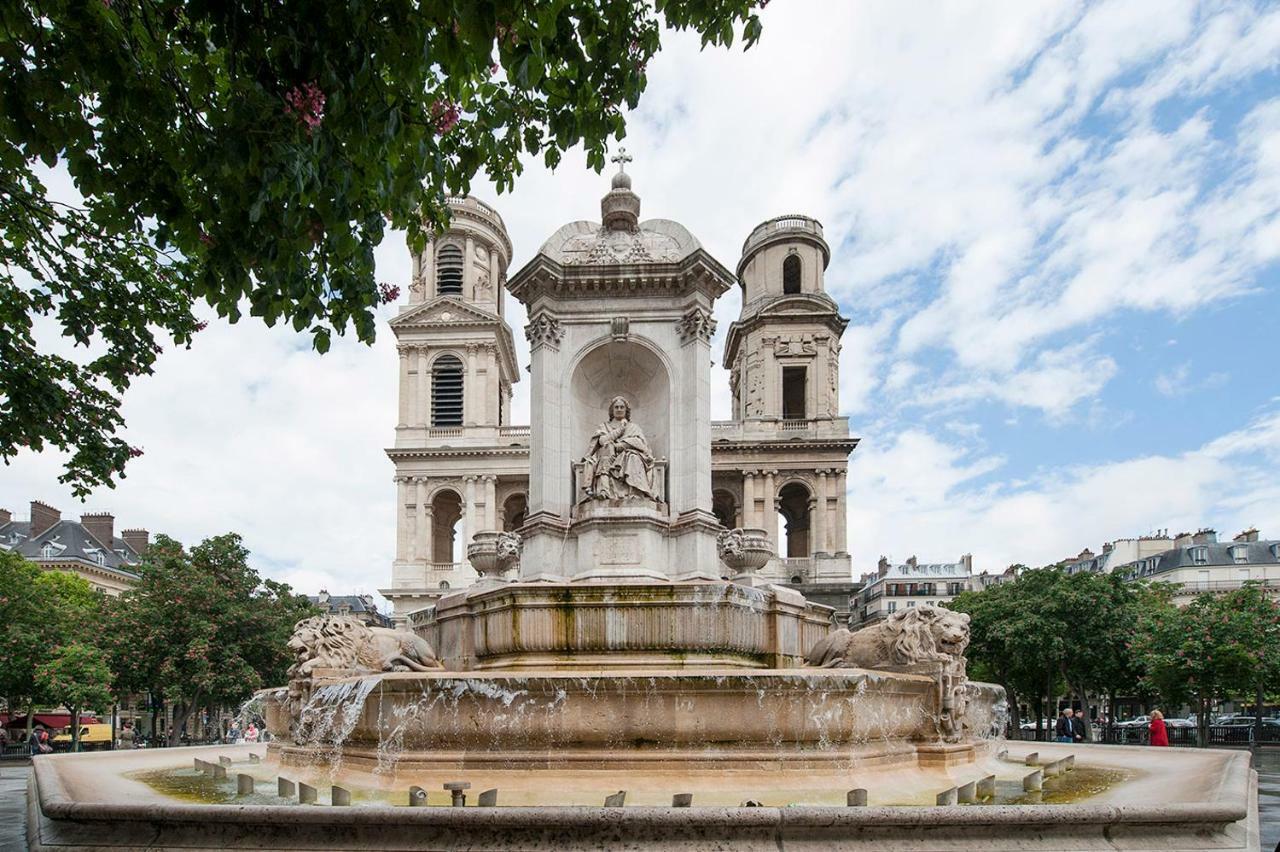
[1159, 734]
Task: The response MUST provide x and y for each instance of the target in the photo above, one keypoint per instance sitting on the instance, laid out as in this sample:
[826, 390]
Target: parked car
[1175, 722]
[1136, 722]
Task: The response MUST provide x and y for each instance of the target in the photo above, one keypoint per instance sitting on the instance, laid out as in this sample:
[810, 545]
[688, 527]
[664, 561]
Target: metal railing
[1220, 735]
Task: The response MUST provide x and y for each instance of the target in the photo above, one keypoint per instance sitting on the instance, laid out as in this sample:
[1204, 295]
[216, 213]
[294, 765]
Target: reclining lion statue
[340, 642]
[918, 634]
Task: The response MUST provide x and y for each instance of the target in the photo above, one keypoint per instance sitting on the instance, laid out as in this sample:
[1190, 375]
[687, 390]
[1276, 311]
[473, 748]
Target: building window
[893, 606]
[791, 274]
[1200, 555]
[99, 557]
[793, 393]
[1239, 553]
[449, 271]
[446, 392]
[47, 551]
[444, 585]
[1275, 550]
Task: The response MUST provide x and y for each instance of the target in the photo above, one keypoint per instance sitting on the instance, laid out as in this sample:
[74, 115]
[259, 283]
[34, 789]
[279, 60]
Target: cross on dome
[621, 158]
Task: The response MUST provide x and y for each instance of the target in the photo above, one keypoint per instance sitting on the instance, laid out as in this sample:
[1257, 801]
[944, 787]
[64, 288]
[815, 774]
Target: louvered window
[446, 392]
[449, 271]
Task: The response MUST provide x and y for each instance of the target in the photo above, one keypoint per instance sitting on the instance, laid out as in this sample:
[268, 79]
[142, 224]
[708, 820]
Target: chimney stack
[5, 517]
[882, 567]
[912, 561]
[102, 526]
[967, 562]
[43, 516]
[1182, 539]
[138, 540]
[1205, 536]
[1250, 534]
[1108, 547]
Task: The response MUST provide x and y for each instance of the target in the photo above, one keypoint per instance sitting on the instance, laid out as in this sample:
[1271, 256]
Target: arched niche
[629, 369]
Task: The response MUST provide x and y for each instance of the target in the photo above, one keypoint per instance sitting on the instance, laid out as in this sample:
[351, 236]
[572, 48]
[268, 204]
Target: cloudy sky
[1055, 230]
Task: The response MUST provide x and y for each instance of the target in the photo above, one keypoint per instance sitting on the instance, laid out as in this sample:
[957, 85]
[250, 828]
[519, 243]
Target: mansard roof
[68, 541]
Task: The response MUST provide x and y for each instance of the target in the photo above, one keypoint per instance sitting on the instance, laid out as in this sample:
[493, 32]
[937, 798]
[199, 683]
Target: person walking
[1080, 726]
[1159, 733]
[1064, 728]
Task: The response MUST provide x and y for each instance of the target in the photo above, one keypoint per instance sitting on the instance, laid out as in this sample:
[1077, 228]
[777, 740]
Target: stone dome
[590, 243]
[622, 238]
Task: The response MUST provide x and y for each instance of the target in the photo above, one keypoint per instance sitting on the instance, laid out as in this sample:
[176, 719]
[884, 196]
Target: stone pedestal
[622, 625]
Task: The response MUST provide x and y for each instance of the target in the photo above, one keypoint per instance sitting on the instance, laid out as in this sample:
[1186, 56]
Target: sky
[1055, 231]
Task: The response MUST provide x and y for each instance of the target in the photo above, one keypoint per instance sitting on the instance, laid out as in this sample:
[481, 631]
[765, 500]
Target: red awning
[50, 720]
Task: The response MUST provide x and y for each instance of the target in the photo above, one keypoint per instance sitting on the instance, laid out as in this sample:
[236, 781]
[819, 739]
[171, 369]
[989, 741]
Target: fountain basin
[729, 718]
[87, 803]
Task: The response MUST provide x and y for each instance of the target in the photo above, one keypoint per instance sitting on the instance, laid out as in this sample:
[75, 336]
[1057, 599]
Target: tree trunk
[1015, 720]
[186, 708]
[1202, 721]
[1111, 713]
[75, 729]
[31, 719]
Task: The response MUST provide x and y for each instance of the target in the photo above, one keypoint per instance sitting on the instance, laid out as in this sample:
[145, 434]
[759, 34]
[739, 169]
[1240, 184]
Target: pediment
[801, 304]
[443, 310]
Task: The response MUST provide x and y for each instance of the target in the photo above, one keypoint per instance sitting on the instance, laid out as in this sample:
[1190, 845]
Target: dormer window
[1239, 553]
[99, 557]
[1199, 555]
[46, 552]
[1275, 550]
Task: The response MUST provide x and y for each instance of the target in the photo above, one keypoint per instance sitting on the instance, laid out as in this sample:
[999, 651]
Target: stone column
[490, 389]
[842, 516]
[429, 537]
[818, 521]
[491, 502]
[769, 511]
[405, 391]
[469, 389]
[424, 389]
[470, 523]
[469, 269]
[402, 524]
[422, 534]
[495, 280]
[429, 270]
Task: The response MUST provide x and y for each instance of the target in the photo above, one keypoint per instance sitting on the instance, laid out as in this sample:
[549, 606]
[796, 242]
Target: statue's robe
[619, 463]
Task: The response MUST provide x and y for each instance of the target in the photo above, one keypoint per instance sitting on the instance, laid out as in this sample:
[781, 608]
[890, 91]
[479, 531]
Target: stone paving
[13, 807]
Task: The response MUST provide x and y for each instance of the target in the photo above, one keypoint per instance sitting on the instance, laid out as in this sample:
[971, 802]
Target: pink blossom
[388, 293]
[306, 103]
[206, 239]
[445, 115]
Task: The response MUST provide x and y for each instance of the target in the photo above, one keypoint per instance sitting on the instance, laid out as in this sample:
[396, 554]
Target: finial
[621, 158]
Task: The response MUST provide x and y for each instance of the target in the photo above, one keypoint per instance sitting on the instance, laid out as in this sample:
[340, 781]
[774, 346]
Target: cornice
[825, 312]
[542, 276]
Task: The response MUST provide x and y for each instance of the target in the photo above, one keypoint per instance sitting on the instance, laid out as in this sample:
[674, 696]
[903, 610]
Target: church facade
[462, 466]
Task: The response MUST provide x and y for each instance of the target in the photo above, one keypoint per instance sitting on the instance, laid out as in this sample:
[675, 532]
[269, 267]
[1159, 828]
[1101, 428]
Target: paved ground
[1268, 766]
[13, 807]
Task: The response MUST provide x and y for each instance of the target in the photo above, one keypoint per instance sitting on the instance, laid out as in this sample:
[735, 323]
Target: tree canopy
[252, 155]
[201, 627]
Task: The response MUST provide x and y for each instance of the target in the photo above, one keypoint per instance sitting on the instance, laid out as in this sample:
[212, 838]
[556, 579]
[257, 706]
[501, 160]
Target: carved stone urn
[494, 553]
[744, 551]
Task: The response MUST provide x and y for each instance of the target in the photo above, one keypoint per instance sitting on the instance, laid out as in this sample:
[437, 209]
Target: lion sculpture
[920, 634]
[909, 637]
[339, 642]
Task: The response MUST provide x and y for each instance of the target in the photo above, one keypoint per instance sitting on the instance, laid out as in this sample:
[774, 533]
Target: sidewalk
[13, 807]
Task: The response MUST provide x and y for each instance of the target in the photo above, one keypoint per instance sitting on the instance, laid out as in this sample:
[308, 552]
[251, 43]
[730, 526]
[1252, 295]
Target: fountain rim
[50, 797]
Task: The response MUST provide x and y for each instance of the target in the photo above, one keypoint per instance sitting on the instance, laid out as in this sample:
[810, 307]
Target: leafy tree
[252, 155]
[201, 627]
[1216, 646]
[40, 611]
[76, 676]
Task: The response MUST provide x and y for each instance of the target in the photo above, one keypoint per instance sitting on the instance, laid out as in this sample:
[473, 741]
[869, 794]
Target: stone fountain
[621, 649]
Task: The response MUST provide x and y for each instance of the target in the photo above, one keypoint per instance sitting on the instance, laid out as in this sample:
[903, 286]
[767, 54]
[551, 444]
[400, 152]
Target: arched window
[449, 271]
[793, 523]
[446, 392]
[446, 530]
[725, 508]
[514, 510]
[444, 585]
[791, 274]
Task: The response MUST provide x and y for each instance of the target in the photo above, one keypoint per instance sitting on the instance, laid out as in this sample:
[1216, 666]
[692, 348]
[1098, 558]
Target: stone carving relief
[755, 393]
[619, 464]
[744, 551]
[795, 345]
[483, 290]
[493, 554]
[696, 324]
[607, 246]
[922, 634]
[543, 329]
[833, 375]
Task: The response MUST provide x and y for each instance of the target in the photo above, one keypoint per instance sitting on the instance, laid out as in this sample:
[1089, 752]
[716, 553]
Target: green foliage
[76, 676]
[252, 155]
[1215, 647]
[201, 627]
[40, 612]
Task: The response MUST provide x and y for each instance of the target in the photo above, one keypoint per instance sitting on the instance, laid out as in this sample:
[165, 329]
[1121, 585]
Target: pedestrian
[1159, 734]
[251, 733]
[1064, 728]
[1080, 728]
